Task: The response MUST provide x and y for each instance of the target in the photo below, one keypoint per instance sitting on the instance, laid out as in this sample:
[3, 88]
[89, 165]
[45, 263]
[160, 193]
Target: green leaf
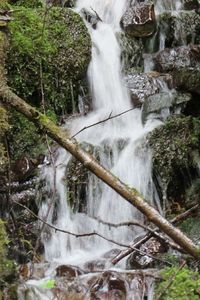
[49, 284]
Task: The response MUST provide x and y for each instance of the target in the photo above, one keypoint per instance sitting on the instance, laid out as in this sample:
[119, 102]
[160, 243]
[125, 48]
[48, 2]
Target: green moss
[28, 3]
[191, 227]
[49, 48]
[25, 137]
[185, 285]
[4, 127]
[6, 266]
[173, 145]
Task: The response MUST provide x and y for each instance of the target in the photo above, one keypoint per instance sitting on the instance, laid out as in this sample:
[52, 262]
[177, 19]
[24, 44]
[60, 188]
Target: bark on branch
[62, 137]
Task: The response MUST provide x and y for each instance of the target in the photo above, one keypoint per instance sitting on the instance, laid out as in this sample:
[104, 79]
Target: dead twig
[154, 232]
[110, 117]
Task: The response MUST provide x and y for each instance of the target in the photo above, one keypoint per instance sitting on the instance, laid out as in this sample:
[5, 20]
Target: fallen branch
[177, 219]
[94, 233]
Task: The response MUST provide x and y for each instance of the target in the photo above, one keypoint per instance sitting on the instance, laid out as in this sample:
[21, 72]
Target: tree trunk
[62, 137]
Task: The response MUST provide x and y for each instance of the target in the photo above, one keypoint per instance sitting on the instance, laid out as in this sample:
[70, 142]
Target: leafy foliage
[185, 285]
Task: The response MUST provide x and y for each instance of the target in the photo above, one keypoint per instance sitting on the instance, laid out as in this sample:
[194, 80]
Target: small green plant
[49, 284]
[185, 285]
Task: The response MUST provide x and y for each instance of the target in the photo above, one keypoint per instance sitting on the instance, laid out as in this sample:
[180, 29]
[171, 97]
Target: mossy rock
[174, 145]
[191, 227]
[4, 127]
[49, 52]
[185, 285]
[7, 268]
[28, 3]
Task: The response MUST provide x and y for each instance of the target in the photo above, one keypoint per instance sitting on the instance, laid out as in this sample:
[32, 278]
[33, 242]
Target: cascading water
[120, 143]
[130, 163]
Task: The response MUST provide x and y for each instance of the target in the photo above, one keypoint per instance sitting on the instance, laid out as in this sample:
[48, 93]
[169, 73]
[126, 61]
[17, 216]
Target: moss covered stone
[4, 126]
[173, 145]
[49, 52]
[6, 266]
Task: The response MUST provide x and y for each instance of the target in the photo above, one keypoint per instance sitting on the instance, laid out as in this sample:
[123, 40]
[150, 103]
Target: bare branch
[154, 232]
[110, 117]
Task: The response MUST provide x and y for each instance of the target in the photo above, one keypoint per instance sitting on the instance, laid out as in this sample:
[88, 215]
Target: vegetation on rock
[49, 53]
[184, 286]
[173, 145]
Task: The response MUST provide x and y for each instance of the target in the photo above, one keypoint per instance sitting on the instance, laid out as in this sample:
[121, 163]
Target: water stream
[119, 145]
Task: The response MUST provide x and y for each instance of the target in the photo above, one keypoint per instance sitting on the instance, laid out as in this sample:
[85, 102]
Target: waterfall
[130, 162]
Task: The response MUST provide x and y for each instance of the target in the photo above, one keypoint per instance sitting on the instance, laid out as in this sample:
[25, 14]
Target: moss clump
[191, 227]
[28, 3]
[173, 145]
[49, 48]
[6, 266]
[185, 285]
[4, 127]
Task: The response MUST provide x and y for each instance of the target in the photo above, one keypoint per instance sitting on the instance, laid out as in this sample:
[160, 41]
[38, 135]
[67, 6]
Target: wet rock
[25, 167]
[139, 20]
[68, 271]
[193, 194]
[191, 4]
[91, 17]
[187, 79]
[179, 29]
[141, 85]
[184, 65]
[175, 146]
[95, 265]
[179, 57]
[132, 49]
[165, 103]
[77, 180]
[139, 261]
[110, 295]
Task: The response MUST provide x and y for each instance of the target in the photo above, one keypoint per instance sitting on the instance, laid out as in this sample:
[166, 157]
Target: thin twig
[110, 117]
[94, 233]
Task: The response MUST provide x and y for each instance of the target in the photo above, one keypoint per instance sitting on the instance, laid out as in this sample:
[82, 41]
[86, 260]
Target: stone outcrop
[184, 65]
[139, 19]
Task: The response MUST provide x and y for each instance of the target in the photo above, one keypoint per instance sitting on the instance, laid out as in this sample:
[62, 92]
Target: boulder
[143, 85]
[132, 50]
[174, 58]
[175, 146]
[139, 19]
[91, 17]
[191, 4]
[179, 29]
[165, 103]
[184, 65]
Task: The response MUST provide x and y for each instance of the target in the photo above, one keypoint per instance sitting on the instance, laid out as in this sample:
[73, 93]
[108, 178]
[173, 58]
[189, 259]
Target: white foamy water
[130, 162]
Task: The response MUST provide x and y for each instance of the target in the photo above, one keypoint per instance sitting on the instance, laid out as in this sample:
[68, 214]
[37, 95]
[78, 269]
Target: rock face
[179, 29]
[184, 65]
[142, 85]
[139, 20]
[175, 148]
[191, 4]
